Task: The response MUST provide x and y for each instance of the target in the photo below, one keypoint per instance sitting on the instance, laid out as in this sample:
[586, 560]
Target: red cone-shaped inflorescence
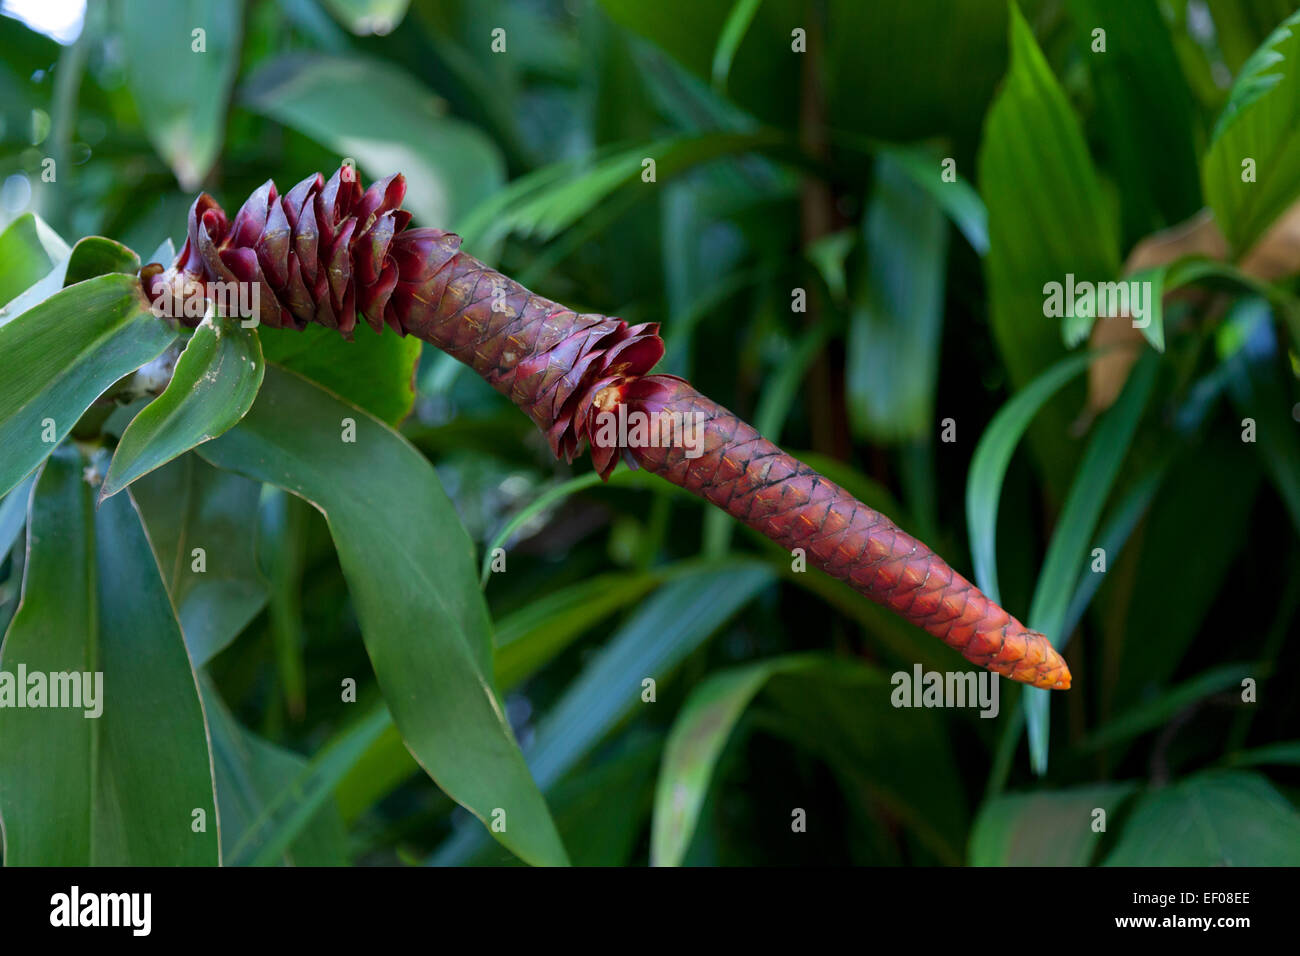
[330, 253]
[731, 465]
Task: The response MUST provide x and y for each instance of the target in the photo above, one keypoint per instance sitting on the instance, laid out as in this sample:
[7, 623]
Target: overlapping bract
[330, 253]
[779, 496]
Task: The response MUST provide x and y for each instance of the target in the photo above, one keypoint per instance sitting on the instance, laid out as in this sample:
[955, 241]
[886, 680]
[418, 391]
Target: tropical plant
[1024, 274]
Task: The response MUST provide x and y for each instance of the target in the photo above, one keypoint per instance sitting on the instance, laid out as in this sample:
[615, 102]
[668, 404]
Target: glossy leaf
[213, 386]
[63, 354]
[181, 58]
[200, 522]
[701, 729]
[29, 249]
[1048, 219]
[1226, 818]
[133, 784]
[1046, 827]
[1260, 125]
[410, 570]
[375, 371]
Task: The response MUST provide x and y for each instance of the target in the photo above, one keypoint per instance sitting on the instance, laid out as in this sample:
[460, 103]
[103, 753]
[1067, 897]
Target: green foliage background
[820, 170]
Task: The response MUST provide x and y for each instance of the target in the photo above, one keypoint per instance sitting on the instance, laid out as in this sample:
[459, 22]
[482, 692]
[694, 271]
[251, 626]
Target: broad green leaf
[200, 522]
[61, 355]
[97, 256]
[90, 257]
[1144, 102]
[1259, 128]
[367, 17]
[1242, 25]
[1048, 219]
[410, 570]
[701, 729]
[213, 386]
[388, 122]
[1046, 827]
[121, 787]
[181, 59]
[993, 455]
[897, 318]
[29, 249]
[249, 772]
[375, 370]
[1222, 818]
[673, 622]
[1072, 539]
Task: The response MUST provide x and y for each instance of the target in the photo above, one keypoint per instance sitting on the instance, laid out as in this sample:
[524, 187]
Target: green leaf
[187, 505]
[375, 371]
[1222, 818]
[410, 569]
[701, 729]
[1144, 102]
[90, 257]
[534, 635]
[97, 256]
[1157, 713]
[61, 355]
[1048, 219]
[992, 456]
[29, 249]
[388, 122]
[250, 772]
[672, 623]
[1044, 828]
[287, 813]
[213, 386]
[13, 515]
[729, 40]
[897, 317]
[122, 787]
[367, 17]
[1066, 559]
[181, 59]
[546, 202]
[1261, 122]
[956, 197]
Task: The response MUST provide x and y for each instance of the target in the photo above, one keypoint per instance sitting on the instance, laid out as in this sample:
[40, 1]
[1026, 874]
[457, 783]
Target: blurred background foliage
[776, 170]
